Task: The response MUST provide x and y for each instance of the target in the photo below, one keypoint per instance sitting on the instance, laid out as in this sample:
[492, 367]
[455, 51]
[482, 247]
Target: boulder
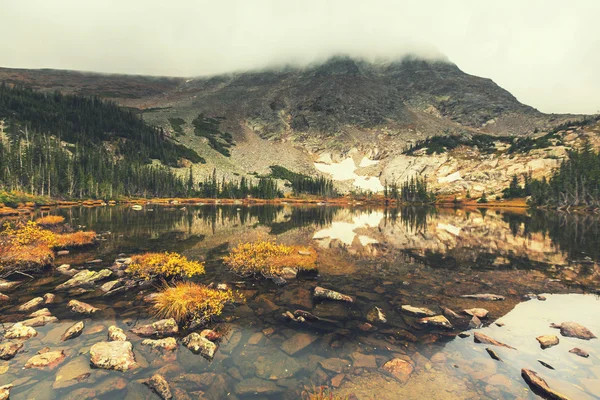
[418, 311]
[376, 315]
[84, 277]
[168, 344]
[116, 334]
[74, 331]
[539, 386]
[31, 304]
[327, 294]
[484, 296]
[162, 328]
[579, 352]
[547, 341]
[20, 331]
[48, 359]
[9, 349]
[482, 338]
[575, 330]
[116, 355]
[39, 321]
[439, 321]
[399, 369]
[81, 307]
[158, 384]
[477, 312]
[200, 345]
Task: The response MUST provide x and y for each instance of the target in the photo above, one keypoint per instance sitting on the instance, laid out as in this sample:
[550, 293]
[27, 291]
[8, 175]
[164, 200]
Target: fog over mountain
[544, 52]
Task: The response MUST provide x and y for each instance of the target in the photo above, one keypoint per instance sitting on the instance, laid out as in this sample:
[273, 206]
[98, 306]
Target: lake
[544, 264]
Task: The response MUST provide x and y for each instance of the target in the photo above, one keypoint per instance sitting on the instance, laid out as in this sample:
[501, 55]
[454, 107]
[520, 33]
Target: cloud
[544, 52]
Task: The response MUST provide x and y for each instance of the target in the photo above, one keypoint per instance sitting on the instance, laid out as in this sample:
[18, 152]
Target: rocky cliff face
[343, 108]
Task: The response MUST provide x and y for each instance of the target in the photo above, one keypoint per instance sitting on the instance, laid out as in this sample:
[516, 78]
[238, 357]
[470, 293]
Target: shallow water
[382, 257]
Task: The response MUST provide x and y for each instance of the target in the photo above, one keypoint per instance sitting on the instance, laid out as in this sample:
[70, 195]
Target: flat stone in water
[337, 365]
[256, 386]
[168, 344]
[575, 330]
[48, 359]
[20, 331]
[439, 321]
[579, 352]
[81, 307]
[116, 334]
[5, 392]
[418, 311]
[158, 384]
[482, 338]
[275, 365]
[85, 277]
[74, 331]
[400, 369]
[72, 373]
[113, 355]
[484, 296]
[477, 312]
[39, 321]
[162, 328]
[547, 341]
[539, 385]
[322, 293]
[297, 342]
[200, 345]
[9, 349]
[31, 304]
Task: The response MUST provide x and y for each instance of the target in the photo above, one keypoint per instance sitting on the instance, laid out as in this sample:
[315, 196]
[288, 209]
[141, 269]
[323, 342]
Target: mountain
[242, 123]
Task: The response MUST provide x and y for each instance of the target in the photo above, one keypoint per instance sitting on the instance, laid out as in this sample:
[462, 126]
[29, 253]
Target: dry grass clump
[26, 246]
[268, 258]
[186, 301]
[166, 265]
[75, 239]
[50, 220]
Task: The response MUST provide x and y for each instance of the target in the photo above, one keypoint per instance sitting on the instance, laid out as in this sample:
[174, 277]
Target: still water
[422, 257]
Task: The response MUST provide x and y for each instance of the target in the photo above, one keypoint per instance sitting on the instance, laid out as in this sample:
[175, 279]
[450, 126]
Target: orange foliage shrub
[50, 220]
[75, 239]
[268, 259]
[26, 246]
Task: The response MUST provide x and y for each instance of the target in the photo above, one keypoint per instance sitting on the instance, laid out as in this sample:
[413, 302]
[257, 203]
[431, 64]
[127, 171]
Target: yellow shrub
[75, 239]
[50, 220]
[26, 246]
[268, 258]
[163, 265]
[188, 301]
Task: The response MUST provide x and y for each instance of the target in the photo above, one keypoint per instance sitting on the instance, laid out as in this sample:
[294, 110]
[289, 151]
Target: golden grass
[163, 265]
[186, 301]
[75, 239]
[50, 220]
[268, 258]
[26, 246]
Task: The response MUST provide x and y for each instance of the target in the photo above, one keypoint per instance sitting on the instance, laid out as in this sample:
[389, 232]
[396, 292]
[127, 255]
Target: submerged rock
[116, 334]
[9, 349]
[158, 384]
[438, 321]
[297, 342]
[493, 354]
[482, 338]
[168, 344]
[256, 386]
[31, 304]
[48, 359]
[547, 341]
[73, 331]
[400, 369]
[322, 293]
[73, 372]
[200, 345]
[575, 330]
[39, 321]
[81, 307]
[376, 315]
[484, 296]
[477, 312]
[164, 327]
[418, 311]
[84, 278]
[579, 352]
[539, 385]
[20, 331]
[116, 355]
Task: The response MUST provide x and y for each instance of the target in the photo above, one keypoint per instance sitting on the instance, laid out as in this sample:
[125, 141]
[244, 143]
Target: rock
[376, 315]
[117, 355]
[159, 385]
[547, 341]
[366, 327]
[439, 321]
[162, 328]
[108, 286]
[31, 304]
[9, 349]
[300, 297]
[400, 369]
[481, 338]
[464, 335]
[288, 273]
[5, 392]
[336, 381]
[539, 385]
[484, 296]
[65, 269]
[168, 344]
[575, 330]
[541, 297]
[477, 312]
[72, 373]
[4, 297]
[579, 352]
[20, 331]
[200, 345]
[39, 321]
[85, 277]
[8, 285]
[475, 323]
[493, 354]
[116, 334]
[256, 386]
[360, 360]
[297, 342]
[73, 331]
[81, 307]
[322, 293]
[450, 313]
[307, 316]
[48, 359]
[44, 312]
[336, 365]
[268, 331]
[529, 296]
[418, 311]
[546, 364]
[62, 252]
[210, 335]
[274, 365]
[149, 298]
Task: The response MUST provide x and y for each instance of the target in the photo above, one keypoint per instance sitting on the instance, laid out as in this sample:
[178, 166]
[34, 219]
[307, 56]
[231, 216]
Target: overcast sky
[546, 52]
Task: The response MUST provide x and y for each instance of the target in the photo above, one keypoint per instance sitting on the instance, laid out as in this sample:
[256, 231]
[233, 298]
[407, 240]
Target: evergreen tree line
[413, 190]
[304, 184]
[90, 121]
[212, 187]
[576, 182]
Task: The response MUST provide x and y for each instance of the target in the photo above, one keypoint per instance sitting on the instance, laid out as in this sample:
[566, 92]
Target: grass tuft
[166, 265]
[50, 220]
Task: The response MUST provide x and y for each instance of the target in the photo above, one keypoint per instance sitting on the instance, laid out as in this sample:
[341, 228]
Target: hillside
[344, 108]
